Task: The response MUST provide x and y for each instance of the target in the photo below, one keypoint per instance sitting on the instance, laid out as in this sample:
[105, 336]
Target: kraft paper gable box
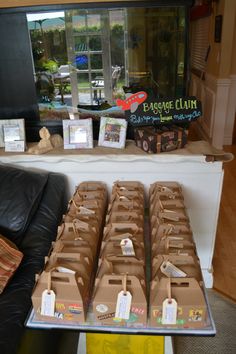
[71, 298]
[105, 296]
[160, 229]
[79, 263]
[182, 242]
[191, 304]
[91, 220]
[168, 245]
[190, 265]
[72, 232]
[165, 190]
[73, 247]
[113, 247]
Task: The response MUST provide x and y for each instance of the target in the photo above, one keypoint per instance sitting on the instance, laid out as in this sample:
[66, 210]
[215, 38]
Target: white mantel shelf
[201, 180]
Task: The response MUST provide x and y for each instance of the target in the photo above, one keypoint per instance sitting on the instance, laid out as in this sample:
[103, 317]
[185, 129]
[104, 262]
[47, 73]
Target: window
[199, 45]
[87, 57]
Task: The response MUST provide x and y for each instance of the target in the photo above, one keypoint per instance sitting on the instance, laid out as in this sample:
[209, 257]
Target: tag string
[75, 228]
[125, 283]
[169, 291]
[49, 282]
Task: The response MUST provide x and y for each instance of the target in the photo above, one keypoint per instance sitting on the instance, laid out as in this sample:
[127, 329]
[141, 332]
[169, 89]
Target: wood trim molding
[22, 3]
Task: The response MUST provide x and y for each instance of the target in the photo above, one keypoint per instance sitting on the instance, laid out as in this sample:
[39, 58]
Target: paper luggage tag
[61, 269]
[169, 311]
[123, 305]
[169, 215]
[48, 303]
[171, 271]
[127, 247]
[86, 211]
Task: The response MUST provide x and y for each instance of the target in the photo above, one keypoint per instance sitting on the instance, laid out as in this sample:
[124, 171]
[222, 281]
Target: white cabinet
[201, 182]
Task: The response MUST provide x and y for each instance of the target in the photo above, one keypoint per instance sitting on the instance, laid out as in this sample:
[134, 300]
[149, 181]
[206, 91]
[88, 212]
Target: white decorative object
[78, 134]
[12, 130]
[112, 132]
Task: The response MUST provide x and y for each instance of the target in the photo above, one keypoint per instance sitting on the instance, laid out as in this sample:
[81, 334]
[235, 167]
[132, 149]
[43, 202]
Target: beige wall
[222, 55]
[233, 62]
[213, 64]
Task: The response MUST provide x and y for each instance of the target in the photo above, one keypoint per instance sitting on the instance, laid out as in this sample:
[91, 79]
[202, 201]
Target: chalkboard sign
[164, 111]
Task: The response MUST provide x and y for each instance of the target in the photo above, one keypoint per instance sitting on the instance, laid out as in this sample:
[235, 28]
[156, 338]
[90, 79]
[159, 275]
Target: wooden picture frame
[218, 28]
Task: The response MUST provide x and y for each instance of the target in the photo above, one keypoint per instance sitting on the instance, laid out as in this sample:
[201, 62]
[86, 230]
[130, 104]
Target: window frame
[33, 123]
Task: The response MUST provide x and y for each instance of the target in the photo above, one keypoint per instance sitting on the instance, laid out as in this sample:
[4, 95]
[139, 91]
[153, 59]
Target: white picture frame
[112, 132]
[78, 133]
[12, 130]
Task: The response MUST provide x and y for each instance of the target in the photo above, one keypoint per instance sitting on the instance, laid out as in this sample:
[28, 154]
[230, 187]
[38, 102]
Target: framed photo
[112, 132]
[12, 130]
[78, 134]
[218, 28]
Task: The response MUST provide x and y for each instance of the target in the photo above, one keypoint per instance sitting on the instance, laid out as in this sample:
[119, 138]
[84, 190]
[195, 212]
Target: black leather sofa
[31, 207]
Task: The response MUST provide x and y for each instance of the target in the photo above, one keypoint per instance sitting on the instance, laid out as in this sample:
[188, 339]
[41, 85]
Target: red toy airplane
[132, 101]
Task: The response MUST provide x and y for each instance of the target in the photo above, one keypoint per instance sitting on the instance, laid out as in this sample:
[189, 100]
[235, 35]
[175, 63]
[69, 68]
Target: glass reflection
[88, 57]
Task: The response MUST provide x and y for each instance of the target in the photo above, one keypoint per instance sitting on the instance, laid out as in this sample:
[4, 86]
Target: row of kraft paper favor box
[63, 289]
[176, 294]
[119, 296]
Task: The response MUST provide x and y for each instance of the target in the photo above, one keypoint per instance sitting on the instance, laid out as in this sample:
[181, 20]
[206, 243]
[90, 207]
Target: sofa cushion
[20, 194]
[42, 230]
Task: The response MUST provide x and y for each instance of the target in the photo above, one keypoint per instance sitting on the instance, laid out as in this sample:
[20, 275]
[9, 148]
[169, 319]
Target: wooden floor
[224, 260]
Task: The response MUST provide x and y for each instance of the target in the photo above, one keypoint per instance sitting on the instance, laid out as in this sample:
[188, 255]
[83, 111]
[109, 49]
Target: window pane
[81, 61]
[96, 61]
[78, 21]
[81, 44]
[95, 43]
[94, 22]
